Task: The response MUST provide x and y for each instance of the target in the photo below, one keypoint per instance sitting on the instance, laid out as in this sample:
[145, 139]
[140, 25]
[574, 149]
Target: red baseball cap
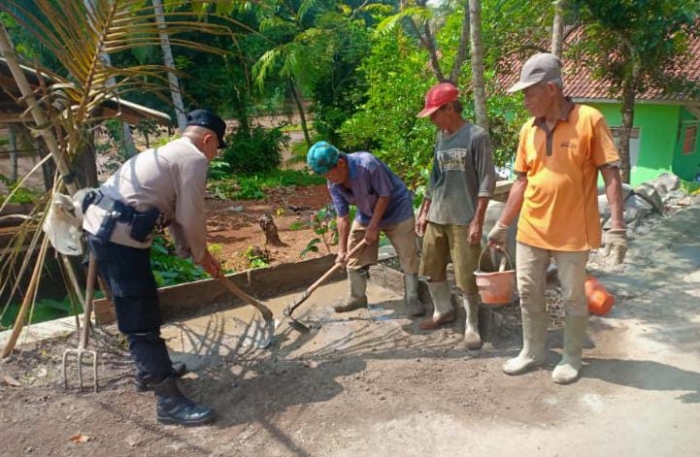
[437, 96]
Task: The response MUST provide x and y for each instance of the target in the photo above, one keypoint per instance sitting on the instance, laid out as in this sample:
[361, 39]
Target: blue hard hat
[322, 157]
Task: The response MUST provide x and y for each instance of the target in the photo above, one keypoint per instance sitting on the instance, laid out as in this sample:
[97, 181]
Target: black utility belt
[141, 223]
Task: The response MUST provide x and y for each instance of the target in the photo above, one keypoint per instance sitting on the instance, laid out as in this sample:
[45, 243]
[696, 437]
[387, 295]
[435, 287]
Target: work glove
[498, 235]
[615, 245]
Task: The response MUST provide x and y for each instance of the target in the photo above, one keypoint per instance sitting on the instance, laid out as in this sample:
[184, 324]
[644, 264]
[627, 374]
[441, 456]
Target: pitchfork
[82, 350]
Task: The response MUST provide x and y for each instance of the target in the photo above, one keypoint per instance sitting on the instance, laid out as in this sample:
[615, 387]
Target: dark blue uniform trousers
[128, 274]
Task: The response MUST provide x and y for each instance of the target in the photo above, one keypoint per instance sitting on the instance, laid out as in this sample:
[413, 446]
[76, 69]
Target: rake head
[79, 355]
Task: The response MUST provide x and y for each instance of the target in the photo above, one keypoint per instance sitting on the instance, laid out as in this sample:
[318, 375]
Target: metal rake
[81, 351]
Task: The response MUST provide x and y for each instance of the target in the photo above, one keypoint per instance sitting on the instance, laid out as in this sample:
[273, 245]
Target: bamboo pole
[44, 127]
[42, 123]
[28, 300]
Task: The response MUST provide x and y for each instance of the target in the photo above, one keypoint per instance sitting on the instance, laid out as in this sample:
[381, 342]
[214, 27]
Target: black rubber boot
[143, 385]
[172, 407]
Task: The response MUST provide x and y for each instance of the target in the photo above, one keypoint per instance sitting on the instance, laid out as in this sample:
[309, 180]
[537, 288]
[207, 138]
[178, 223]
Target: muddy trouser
[128, 274]
[531, 272]
[444, 242]
[402, 237]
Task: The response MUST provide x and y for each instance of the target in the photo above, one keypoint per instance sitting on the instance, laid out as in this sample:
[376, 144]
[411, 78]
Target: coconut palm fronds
[63, 105]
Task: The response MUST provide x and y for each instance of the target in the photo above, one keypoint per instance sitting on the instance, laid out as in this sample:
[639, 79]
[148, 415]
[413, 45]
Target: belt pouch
[109, 221]
[143, 223]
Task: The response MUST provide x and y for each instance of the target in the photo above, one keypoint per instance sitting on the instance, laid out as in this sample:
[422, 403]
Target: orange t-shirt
[560, 208]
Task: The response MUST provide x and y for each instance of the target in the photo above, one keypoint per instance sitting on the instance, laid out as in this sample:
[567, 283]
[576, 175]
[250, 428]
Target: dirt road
[370, 383]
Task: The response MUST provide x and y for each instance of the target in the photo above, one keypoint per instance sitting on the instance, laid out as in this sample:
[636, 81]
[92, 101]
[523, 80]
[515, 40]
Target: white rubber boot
[413, 303]
[358, 288]
[568, 370]
[471, 327]
[534, 340]
[443, 312]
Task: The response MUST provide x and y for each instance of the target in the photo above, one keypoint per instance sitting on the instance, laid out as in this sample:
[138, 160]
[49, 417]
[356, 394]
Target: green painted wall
[658, 131]
[686, 165]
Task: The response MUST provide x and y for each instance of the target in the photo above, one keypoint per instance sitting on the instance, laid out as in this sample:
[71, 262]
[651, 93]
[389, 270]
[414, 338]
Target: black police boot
[143, 385]
[172, 407]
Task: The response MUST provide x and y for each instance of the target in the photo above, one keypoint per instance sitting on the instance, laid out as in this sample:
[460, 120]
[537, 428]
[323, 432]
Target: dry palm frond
[65, 106]
[79, 33]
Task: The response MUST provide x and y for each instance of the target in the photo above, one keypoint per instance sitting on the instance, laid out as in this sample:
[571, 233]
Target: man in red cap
[451, 217]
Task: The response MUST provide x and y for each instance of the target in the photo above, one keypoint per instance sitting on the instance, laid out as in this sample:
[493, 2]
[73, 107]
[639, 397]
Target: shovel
[269, 330]
[298, 325]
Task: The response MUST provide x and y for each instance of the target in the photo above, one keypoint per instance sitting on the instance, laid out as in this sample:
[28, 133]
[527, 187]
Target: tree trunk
[13, 152]
[558, 27]
[270, 230]
[629, 93]
[482, 117]
[461, 55]
[127, 137]
[298, 101]
[628, 98]
[85, 165]
[170, 63]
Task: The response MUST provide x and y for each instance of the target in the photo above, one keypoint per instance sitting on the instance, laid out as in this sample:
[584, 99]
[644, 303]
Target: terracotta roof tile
[580, 84]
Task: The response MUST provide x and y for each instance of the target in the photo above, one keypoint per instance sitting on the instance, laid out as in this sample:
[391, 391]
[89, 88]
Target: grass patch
[18, 194]
[46, 309]
[254, 187]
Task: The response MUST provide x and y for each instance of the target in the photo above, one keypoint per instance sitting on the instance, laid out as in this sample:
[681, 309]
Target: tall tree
[635, 45]
[127, 137]
[169, 63]
[558, 27]
[423, 22]
[477, 59]
[312, 48]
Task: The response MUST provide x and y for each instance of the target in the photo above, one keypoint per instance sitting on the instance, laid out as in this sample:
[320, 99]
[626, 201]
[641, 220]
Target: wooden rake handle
[235, 290]
[309, 290]
[89, 296]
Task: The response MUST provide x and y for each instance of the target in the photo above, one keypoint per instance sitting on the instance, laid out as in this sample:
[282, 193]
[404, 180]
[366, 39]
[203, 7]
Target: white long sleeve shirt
[173, 179]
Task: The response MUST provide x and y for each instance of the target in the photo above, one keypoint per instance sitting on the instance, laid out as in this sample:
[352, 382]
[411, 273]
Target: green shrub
[253, 187]
[218, 169]
[168, 268]
[46, 309]
[18, 194]
[255, 150]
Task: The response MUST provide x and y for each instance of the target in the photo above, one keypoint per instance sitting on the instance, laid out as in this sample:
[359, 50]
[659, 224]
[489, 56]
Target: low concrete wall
[190, 298]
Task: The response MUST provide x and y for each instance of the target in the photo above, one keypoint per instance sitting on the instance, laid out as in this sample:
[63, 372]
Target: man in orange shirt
[560, 152]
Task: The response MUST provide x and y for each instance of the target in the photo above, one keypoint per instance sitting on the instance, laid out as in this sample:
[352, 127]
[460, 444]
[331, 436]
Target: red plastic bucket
[496, 288]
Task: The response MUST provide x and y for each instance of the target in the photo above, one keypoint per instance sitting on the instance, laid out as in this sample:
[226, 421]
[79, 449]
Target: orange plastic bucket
[496, 288]
[600, 301]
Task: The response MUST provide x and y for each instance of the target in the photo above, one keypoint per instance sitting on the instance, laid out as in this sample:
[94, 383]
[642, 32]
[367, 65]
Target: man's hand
[615, 245]
[210, 265]
[498, 236]
[475, 232]
[371, 235]
[341, 257]
[421, 222]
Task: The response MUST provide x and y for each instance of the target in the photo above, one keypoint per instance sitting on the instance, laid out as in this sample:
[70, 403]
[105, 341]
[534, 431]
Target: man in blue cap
[163, 186]
[383, 205]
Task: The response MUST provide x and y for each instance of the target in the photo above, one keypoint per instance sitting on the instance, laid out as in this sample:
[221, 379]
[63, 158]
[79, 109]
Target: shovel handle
[235, 290]
[309, 290]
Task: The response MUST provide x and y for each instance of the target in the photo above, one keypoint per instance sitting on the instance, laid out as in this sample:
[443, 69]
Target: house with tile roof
[666, 133]
[665, 137]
